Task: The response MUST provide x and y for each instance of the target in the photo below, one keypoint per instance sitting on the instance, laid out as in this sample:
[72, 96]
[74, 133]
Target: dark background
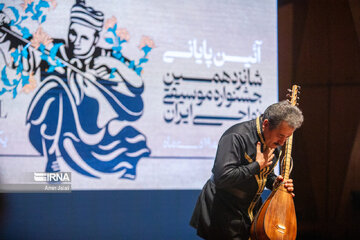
[319, 50]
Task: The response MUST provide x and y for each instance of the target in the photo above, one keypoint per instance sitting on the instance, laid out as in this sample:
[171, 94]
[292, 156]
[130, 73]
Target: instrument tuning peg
[299, 88]
[288, 95]
[289, 90]
[297, 104]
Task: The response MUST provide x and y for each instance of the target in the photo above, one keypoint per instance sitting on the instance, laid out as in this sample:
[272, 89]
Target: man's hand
[264, 159]
[288, 184]
[104, 64]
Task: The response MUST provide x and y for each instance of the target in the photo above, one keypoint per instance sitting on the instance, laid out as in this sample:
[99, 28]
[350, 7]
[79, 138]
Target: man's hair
[283, 111]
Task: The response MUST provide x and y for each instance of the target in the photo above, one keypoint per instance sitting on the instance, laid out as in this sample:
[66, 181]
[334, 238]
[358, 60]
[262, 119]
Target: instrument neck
[286, 164]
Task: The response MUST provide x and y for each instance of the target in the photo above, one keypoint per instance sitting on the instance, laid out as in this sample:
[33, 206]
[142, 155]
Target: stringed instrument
[276, 218]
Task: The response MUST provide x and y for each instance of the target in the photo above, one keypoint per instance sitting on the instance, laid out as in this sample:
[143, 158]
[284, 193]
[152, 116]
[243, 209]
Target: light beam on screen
[153, 84]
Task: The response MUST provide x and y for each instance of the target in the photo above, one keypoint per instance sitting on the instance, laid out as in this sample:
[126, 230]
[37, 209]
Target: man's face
[277, 136]
[81, 39]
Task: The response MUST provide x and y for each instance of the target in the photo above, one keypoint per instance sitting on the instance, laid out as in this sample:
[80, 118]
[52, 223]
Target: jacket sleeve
[228, 168]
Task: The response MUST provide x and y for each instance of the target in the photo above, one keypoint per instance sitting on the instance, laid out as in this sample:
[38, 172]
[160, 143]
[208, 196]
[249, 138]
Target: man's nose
[77, 41]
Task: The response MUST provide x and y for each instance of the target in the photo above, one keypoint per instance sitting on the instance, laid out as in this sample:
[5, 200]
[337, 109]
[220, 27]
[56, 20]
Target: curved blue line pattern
[58, 123]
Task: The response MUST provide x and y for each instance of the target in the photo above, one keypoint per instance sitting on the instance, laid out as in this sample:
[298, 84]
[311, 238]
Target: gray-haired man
[246, 156]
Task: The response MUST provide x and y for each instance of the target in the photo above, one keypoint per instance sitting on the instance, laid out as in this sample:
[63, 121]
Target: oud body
[276, 219]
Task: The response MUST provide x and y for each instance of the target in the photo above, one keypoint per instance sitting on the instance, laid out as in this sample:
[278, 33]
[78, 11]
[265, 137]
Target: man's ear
[96, 39]
[265, 124]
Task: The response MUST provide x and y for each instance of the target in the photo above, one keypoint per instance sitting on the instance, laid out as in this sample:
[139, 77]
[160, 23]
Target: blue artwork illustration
[88, 94]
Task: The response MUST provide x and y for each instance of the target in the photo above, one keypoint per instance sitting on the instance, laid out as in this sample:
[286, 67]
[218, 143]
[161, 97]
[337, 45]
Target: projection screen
[129, 94]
